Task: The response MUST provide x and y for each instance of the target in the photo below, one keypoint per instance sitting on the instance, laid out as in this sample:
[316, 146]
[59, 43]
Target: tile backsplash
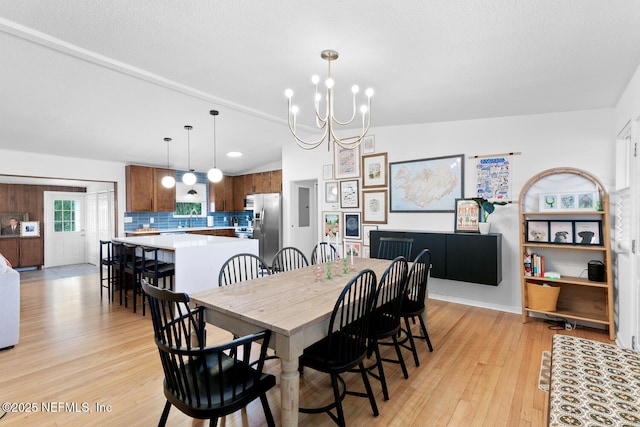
[165, 220]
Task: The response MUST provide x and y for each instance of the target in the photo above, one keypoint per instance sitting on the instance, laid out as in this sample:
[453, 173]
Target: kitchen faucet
[191, 216]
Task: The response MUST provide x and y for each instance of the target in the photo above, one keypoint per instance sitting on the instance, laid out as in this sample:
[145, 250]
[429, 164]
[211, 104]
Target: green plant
[487, 206]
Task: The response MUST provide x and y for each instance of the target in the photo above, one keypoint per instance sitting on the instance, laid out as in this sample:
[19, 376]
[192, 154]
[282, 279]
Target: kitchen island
[198, 258]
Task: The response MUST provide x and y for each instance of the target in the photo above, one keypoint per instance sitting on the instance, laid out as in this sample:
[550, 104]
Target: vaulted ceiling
[109, 80]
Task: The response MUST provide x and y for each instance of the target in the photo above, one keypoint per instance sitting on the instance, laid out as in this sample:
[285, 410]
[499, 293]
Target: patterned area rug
[593, 384]
[545, 371]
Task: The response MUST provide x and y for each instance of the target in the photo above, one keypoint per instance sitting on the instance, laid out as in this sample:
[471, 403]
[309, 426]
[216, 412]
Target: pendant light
[189, 178]
[214, 174]
[168, 181]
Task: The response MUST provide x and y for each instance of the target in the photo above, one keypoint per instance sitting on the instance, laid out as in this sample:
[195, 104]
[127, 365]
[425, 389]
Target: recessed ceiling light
[234, 154]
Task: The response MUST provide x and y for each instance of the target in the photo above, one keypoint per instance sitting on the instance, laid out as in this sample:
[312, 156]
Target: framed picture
[538, 231]
[30, 229]
[374, 170]
[352, 223]
[369, 144]
[332, 224]
[327, 172]
[331, 192]
[561, 232]
[467, 216]
[10, 223]
[426, 185]
[349, 194]
[366, 229]
[588, 232]
[347, 162]
[374, 205]
[352, 248]
[578, 201]
[366, 252]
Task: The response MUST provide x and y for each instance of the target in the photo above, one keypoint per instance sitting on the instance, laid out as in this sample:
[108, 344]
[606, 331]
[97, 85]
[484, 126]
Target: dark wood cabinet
[31, 251]
[229, 193]
[23, 251]
[145, 192]
[227, 232]
[164, 199]
[10, 248]
[221, 193]
[475, 258]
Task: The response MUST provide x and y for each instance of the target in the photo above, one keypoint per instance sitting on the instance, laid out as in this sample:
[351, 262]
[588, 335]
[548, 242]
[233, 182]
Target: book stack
[537, 265]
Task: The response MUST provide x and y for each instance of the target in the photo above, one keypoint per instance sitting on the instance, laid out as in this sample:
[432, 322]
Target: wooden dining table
[295, 305]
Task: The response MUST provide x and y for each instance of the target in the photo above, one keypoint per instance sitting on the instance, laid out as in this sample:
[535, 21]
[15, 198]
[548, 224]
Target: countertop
[178, 230]
[174, 241]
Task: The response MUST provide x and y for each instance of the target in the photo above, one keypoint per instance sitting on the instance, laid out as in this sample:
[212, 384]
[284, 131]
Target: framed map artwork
[426, 185]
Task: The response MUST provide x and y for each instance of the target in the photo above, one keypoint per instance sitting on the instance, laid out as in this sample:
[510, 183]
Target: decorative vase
[485, 227]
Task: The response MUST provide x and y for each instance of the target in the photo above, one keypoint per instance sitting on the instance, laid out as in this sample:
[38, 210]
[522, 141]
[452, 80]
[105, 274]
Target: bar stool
[106, 260]
[117, 251]
[155, 269]
[134, 265]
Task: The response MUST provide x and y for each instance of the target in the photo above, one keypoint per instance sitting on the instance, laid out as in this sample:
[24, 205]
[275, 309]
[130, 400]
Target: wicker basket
[543, 298]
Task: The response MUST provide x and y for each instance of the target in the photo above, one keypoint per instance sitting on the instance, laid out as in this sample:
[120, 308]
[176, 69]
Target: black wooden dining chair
[205, 382]
[241, 267]
[323, 252]
[385, 322]
[288, 258]
[345, 346]
[414, 302]
[392, 247]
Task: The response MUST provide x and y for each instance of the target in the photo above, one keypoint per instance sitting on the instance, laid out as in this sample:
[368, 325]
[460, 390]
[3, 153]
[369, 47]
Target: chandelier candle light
[214, 174]
[189, 178]
[168, 181]
[327, 121]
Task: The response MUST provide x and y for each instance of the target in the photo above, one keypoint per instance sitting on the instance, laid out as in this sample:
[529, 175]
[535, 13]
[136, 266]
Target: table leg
[289, 391]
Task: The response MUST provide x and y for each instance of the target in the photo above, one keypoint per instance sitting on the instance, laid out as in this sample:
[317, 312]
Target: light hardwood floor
[75, 348]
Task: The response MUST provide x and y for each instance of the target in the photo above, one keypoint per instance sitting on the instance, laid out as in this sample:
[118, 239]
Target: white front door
[64, 228]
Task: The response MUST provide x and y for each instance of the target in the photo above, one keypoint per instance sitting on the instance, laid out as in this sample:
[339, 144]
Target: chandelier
[326, 120]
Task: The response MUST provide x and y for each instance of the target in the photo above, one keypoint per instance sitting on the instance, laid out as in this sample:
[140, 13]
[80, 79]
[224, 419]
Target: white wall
[581, 139]
[45, 166]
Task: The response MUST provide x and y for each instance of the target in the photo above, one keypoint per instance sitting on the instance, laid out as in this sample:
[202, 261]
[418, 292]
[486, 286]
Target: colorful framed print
[331, 221]
[426, 185]
[467, 216]
[374, 205]
[349, 194]
[346, 162]
[352, 249]
[352, 221]
[374, 170]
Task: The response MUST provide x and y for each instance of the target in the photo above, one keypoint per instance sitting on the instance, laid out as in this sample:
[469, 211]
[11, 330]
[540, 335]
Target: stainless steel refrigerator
[267, 222]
